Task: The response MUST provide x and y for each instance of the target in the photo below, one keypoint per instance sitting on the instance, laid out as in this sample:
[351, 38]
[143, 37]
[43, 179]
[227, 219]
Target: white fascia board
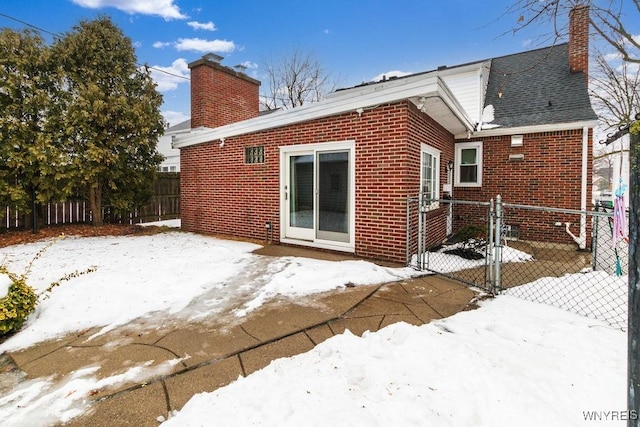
[367, 97]
[553, 127]
[176, 138]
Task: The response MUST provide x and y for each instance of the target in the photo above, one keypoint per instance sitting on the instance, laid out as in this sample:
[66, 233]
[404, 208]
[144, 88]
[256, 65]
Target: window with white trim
[468, 171]
[430, 173]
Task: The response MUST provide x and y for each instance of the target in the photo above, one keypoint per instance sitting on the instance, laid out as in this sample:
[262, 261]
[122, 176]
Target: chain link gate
[465, 256]
[556, 256]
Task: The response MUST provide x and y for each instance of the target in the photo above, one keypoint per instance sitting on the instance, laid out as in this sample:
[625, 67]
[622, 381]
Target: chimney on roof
[579, 40]
[212, 57]
[221, 95]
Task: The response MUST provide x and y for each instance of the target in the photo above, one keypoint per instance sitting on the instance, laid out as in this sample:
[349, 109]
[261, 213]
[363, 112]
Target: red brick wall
[549, 175]
[579, 40]
[220, 95]
[425, 130]
[220, 194]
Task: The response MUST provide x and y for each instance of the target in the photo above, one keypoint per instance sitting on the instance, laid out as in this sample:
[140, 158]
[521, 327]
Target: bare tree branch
[615, 91]
[294, 80]
[609, 19]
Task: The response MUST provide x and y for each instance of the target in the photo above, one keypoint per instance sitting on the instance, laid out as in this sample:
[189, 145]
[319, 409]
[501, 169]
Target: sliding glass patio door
[318, 193]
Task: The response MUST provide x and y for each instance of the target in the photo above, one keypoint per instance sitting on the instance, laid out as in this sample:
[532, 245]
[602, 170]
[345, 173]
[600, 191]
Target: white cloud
[388, 74]
[164, 8]
[174, 117]
[611, 57]
[249, 65]
[201, 45]
[208, 26]
[168, 78]
[160, 45]
[632, 68]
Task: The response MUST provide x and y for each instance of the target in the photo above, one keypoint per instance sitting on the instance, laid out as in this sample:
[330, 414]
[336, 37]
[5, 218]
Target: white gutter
[368, 96]
[581, 240]
[554, 127]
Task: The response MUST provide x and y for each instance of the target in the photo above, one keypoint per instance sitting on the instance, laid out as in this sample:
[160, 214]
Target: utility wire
[30, 25]
[58, 36]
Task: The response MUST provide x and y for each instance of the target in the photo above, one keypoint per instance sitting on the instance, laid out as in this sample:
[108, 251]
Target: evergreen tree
[33, 163]
[112, 116]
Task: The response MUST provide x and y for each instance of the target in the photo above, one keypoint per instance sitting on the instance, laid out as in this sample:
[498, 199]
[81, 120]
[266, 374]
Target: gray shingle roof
[180, 126]
[537, 88]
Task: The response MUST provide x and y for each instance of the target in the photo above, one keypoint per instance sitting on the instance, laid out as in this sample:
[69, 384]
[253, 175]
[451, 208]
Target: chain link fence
[561, 257]
[464, 255]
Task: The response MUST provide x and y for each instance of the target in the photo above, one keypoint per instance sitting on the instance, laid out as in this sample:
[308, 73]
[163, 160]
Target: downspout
[582, 239]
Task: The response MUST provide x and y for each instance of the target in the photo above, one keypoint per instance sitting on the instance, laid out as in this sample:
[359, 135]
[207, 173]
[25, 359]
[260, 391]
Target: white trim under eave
[428, 86]
[555, 127]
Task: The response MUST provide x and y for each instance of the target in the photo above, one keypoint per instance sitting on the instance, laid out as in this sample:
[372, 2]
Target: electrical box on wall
[446, 188]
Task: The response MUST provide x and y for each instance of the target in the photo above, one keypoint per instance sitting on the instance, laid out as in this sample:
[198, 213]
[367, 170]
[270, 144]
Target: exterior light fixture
[450, 165]
[221, 142]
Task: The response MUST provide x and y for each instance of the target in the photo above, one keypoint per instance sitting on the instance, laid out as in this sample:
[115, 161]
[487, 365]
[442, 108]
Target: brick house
[336, 174]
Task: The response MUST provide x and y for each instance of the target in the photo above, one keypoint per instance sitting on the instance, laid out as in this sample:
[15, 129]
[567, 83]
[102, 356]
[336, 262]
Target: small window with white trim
[469, 164]
[430, 174]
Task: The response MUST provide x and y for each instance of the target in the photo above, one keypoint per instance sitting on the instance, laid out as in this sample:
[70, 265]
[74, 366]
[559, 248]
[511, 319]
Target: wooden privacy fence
[165, 204]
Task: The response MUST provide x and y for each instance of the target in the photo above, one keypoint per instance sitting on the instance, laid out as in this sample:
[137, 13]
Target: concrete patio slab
[260, 357]
[181, 387]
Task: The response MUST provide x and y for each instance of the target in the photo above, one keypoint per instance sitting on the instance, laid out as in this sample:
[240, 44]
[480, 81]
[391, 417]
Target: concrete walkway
[214, 353]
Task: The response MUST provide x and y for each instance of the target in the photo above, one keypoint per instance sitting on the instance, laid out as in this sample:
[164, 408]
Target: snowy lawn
[510, 362]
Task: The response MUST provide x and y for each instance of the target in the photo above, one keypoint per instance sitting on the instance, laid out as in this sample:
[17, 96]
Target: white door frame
[289, 235]
[297, 233]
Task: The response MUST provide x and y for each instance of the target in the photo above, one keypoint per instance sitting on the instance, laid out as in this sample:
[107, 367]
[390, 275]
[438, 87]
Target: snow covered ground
[511, 362]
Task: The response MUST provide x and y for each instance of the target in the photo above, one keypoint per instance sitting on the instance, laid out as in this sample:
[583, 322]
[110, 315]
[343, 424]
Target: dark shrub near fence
[165, 204]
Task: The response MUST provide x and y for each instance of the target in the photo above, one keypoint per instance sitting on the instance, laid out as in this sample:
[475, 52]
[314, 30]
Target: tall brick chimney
[579, 40]
[221, 95]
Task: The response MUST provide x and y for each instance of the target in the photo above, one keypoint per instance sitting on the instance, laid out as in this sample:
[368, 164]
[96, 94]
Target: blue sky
[355, 40]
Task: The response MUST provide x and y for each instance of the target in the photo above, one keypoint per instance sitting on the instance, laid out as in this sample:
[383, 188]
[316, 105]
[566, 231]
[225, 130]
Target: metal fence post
[490, 245]
[633, 369]
[420, 261]
[594, 240]
[497, 261]
[408, 241]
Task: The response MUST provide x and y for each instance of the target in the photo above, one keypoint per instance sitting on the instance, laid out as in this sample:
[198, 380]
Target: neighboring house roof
[186, 125]
[536, 87]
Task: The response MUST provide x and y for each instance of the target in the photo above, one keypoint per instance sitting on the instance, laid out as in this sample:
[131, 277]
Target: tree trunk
[95, 203]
